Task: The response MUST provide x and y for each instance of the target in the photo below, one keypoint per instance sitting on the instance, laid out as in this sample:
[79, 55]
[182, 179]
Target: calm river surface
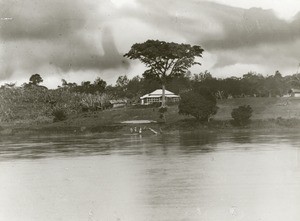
[179, 176]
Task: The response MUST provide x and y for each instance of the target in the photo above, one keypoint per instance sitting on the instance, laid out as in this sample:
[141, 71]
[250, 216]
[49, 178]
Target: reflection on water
[180, 176]
[187, 143]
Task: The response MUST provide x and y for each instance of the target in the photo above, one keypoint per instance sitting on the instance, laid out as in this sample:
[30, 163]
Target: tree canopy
[35, 79]
[165, 59]
[199, 103]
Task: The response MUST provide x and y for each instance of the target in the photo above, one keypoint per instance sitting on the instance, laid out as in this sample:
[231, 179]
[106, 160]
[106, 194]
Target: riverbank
[268, 114]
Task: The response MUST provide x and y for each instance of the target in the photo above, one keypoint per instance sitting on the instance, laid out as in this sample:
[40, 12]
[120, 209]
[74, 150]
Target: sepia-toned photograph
[149, 110]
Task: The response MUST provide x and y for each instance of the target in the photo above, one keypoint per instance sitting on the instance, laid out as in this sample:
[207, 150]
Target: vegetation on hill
[33, 102]
[37, 103]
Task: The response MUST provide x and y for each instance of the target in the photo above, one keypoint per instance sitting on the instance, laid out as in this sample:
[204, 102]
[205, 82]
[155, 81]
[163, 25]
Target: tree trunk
[163, 101]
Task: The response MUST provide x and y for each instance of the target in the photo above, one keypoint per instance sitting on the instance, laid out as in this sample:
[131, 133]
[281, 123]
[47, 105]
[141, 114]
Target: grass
[263, 108]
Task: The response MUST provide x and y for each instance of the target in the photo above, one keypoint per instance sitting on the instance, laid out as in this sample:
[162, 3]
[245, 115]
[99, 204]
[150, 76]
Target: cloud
[253, 27]
[238, 37]
[41, 19]
[73, 37]
[281, 56]
[65, 35]
[284, 9]
[217, 26]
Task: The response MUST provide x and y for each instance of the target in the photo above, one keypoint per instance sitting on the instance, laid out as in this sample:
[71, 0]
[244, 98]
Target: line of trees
[249, 85]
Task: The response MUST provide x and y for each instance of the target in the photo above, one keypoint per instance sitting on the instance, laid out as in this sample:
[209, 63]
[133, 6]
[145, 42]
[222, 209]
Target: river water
[181, 176]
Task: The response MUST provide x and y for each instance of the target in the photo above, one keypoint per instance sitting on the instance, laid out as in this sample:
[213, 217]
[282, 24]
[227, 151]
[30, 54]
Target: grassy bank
[263, 108]
[268, 113]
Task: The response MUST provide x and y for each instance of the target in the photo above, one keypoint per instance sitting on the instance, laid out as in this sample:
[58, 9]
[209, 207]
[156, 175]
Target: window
[153, 100]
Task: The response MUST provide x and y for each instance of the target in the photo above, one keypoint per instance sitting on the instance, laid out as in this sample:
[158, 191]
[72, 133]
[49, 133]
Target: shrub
[162, 110]
[242, 114]
[199, 103]
[59, 115]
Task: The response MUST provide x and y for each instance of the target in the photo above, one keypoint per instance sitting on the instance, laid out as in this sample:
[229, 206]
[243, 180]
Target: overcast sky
[80, 40]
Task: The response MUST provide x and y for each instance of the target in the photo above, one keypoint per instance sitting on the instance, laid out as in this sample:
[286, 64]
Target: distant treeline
[250, 85]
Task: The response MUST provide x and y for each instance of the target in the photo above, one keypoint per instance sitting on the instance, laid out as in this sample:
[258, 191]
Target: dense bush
[31, 102]
[59, 115]
[18, 103]
[93, 102]
[242, 114]
[199, 103]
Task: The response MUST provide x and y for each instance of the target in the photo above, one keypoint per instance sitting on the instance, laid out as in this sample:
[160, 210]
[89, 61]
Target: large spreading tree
[165, 60]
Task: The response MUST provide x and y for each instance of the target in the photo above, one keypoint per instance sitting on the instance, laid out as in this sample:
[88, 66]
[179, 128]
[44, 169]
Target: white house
[156, 97]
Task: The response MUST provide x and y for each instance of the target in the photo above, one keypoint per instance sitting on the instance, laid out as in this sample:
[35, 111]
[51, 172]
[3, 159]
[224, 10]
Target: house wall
[150, 100]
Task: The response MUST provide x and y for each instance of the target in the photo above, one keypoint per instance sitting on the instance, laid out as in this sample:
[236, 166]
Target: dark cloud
[253, 27]
[73, 36]
[78, 55]
[217, 26]
[234, 35]
[32, 19]
[68, 35]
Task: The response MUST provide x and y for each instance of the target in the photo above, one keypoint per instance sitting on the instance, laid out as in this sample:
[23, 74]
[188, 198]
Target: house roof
[158, 93]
